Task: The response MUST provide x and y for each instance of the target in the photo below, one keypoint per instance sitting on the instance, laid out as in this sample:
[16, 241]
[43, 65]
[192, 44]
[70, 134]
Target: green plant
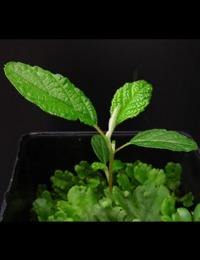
[56, 95]
[128, 191]
[140, 193]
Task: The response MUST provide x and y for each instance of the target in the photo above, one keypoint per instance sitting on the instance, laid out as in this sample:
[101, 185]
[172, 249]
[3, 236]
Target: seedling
[56, 95]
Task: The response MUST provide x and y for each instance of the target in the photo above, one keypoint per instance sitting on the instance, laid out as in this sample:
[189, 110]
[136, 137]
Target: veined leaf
[53, 93]
[163, 139]
[132, 98]
[100, 148]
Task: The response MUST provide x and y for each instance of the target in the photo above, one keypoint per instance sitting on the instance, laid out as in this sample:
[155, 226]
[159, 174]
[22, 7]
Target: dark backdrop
[99, 67]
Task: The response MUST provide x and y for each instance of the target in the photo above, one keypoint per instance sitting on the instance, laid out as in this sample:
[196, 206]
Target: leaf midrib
[74, 88]
[132, 93]
[166, 141]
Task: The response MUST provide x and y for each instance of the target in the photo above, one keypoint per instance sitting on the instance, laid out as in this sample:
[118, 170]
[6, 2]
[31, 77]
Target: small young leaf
[100, 166]
[196, 215]
[187, 199]
[118, 165]
[166, 219]
[173, 175]
[53, 93]
[182, 214]
[141, 171]
[163, 139]
[168, 206]
[100, 148]
[132, 98]
[124, 182]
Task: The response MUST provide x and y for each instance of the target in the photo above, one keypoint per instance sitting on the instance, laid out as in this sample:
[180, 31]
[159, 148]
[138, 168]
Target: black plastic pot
[40, 154]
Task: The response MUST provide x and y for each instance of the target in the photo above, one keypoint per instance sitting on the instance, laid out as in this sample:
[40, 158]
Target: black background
[99, 67]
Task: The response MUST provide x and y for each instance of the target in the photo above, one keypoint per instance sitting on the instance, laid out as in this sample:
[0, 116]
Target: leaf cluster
[140, 193]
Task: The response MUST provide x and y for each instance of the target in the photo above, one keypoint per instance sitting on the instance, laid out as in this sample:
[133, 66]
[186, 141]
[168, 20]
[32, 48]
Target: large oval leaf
[132, 98]
[53, 93]
[163, 139]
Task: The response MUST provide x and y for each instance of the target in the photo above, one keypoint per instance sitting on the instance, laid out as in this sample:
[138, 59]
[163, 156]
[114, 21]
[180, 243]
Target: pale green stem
[121, 147]
[111, 163]
[99, 130]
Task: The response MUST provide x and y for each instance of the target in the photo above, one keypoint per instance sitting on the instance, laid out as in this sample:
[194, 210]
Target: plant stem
[99, 130]
[121, 147]
[110, 170]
